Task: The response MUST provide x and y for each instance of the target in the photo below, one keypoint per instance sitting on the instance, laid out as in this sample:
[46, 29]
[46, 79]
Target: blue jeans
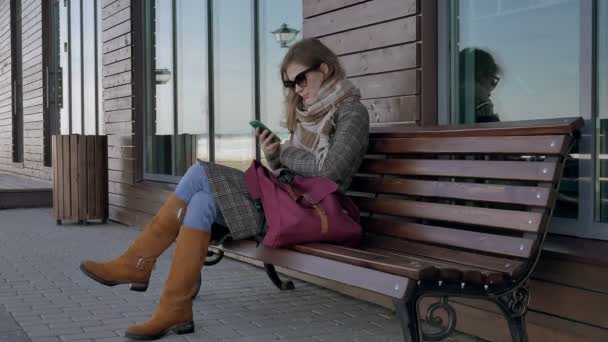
[202, 210]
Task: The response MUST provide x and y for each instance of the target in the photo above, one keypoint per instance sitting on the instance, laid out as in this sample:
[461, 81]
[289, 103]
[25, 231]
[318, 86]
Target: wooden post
[80, 177]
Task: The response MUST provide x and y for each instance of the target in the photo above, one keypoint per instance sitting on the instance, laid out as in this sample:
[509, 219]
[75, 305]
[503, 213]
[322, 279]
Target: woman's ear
[324, 68]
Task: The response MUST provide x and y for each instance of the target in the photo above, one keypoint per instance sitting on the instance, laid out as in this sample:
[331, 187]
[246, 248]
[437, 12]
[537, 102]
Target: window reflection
[535, 44]
[519, 60]
[233, 82]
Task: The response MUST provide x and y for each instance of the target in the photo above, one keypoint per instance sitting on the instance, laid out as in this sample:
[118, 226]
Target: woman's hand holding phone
[271, 149]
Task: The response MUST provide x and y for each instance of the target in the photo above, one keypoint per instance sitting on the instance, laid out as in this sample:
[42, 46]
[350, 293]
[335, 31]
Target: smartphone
[262, 127]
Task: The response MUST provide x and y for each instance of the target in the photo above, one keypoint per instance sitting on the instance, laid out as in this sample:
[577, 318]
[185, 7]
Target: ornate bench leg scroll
[407, 312]
[515, 307]
[440, 331]
[274, 276]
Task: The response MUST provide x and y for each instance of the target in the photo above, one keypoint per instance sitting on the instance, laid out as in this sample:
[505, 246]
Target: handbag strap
[320, 211]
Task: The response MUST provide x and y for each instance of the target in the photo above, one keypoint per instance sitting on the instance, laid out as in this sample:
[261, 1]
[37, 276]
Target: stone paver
[45, 298]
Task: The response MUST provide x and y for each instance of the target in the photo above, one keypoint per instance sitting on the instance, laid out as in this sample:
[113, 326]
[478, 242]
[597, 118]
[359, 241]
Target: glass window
[64, 82]
[233, 82]
[76, 67]
[78, 78]
[177, 126]
[99, 42]
[192, 80]
[602, 108]
[519, 60]
[508, 53]
[89, 66]
[274, 13]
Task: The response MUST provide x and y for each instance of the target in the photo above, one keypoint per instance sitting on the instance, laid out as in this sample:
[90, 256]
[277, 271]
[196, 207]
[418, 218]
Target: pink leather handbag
[310, 209]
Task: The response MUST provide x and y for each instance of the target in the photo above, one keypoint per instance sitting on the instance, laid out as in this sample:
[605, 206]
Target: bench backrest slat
[533, 145]
[490, 243]
[484, 217]
[511, 194]
[495, 169]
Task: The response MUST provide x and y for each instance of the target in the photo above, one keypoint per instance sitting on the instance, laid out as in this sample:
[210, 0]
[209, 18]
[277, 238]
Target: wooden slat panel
[65, 141]
[383, 60]
[527, 145]
[571, 273]
[56, 167]
[509, 170]
[509, 128]
[524, 195]
[389, 84]
[502, 265]
[375, 36]
[82, 179]
[393, 109]
[91, 189]
[315, 7]
[381, 282]
[496, 218]
[75, 200]
[98, 170]
[366, 13]
[105, 177]
[490, 243]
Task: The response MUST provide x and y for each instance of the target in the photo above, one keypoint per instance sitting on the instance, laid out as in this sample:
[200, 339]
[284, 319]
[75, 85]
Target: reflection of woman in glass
[485, 76]
[329, 136]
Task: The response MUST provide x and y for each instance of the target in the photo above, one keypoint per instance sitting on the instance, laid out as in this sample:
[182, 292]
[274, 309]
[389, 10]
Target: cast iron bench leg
[407, 312]
[274, 276]
[515, 307]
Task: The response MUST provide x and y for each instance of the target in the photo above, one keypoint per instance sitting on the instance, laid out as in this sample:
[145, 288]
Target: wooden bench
[447, 211]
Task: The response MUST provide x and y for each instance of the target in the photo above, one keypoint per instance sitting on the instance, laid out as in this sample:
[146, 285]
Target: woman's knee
[193, 181]
[201, 212]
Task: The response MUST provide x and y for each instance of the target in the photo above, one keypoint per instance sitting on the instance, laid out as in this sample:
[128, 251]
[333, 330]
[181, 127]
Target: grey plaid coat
[347, 148]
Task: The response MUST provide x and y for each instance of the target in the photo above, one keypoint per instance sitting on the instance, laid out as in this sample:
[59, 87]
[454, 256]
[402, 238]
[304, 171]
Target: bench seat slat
[511, 267]
[529, 145]
[495, 218]
[508, 170]
[409, 267]
[512, 194]
[484, 242]
[388, 284]
[400, 263]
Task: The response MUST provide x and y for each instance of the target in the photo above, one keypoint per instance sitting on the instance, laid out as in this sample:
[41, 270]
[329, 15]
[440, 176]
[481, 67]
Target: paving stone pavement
[45, 298]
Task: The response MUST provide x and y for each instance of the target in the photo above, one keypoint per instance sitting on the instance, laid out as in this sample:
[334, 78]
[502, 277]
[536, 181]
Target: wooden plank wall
[130, 202]
[32, 165]
[380, 44]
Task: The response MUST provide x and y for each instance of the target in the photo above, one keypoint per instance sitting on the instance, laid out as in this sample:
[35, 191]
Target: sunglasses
[300, 79]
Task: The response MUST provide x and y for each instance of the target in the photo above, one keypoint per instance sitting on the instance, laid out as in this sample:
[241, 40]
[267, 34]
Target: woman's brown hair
[307, 52]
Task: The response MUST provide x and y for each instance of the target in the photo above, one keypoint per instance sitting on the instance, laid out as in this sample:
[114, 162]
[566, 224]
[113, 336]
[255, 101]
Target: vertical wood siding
[33, 164]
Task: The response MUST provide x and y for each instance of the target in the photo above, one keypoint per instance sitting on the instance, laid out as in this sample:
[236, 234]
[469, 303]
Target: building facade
[172, 81]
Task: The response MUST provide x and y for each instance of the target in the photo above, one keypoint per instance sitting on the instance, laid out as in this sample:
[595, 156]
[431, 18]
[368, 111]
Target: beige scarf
[316, 122]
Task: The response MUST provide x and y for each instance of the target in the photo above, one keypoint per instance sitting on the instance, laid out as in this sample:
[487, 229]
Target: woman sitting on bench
[329, 136]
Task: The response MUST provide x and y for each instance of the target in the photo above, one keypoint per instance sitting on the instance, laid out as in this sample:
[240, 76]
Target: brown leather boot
[135, 265]
[174, 312]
